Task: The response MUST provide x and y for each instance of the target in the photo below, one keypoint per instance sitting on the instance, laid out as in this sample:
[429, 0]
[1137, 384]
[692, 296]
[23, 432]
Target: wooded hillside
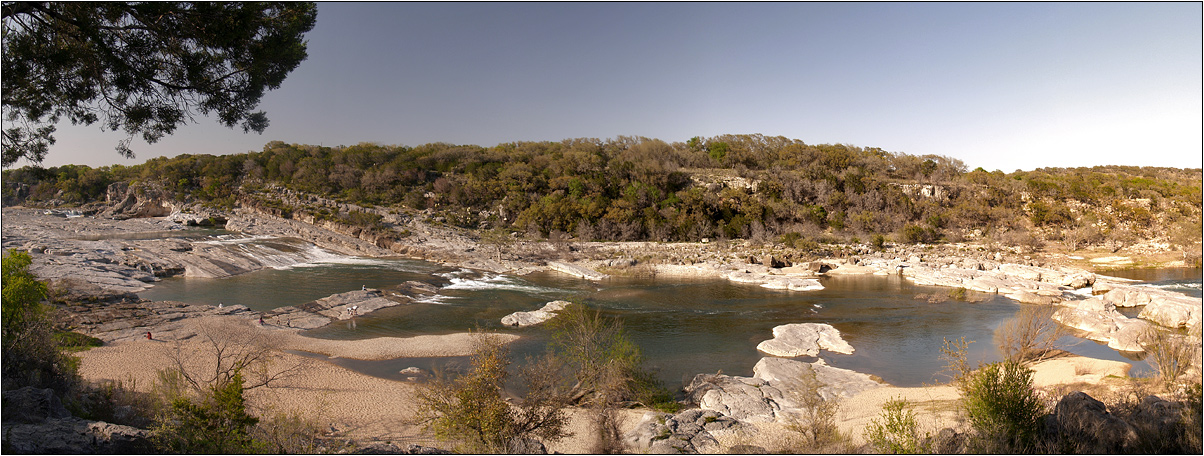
[730, 186]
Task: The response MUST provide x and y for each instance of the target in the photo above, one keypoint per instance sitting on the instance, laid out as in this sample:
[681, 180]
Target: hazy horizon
[1002, 86]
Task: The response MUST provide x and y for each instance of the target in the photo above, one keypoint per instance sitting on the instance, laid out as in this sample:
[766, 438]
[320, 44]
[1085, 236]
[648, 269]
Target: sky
[1003, 86]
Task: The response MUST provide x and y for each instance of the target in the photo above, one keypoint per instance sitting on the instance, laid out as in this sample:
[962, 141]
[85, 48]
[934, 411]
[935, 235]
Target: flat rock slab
[804, 339]
[341, 306]
[789, 375]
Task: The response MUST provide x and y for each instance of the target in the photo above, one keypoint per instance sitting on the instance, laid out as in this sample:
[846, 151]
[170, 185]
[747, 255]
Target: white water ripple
[495, 282]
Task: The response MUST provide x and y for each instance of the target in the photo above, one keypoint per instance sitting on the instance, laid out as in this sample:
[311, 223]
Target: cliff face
[285, 205]
[138, 201]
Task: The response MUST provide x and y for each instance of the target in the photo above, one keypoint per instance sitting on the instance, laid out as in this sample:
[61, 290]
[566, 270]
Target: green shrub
[878, 242]
[217, 422]
[1002, 406]
[916, 234]
[958, 293]
[896, 430]
[32, 356]
[73, 341]
[789, 238]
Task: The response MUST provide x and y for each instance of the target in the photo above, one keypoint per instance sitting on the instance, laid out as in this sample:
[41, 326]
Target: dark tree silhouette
[145, 68]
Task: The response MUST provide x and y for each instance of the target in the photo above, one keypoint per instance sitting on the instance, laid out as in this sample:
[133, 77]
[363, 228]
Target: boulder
[1128, 334]
[1080, 418]
[804, 339]
[1096, 324]
[688, 432]
[742, 398]
[816, 267]
[75, 436]
[32, 405]
[1126, 297]
[338, 306]
[1028, 297]
[1158, 413]
[35, 421]
[792, 284]
[1092, 304]
[773, 262]
[1173, 311]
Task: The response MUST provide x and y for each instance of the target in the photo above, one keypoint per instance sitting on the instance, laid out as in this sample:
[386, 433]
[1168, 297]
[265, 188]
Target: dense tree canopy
[145, 68]
[629, 188]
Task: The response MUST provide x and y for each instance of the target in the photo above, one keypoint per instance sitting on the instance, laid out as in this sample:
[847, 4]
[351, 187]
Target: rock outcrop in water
[547, 312]
[576, 270]
[1098, 318]
[342, 306]
[804, 339]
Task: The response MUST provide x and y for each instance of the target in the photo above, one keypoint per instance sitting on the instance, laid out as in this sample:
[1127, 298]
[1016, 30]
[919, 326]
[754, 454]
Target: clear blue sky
[998, 85]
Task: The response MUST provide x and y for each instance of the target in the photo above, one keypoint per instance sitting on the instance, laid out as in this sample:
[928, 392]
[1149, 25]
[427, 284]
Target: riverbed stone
[793, 376]
[1127, 335]
[1174, 312]
[1097, 325]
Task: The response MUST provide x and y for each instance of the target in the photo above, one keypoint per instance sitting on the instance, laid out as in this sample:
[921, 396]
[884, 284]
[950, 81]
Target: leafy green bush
[1003, 407]
[896, 430]
[878, 242]
[32, 356]
[916, 234]
[217, 422]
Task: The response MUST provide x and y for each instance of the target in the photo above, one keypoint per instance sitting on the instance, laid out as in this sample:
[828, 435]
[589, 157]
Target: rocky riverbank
[97, 264]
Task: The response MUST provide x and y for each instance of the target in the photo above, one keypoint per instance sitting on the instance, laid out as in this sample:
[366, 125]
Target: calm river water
[684, 327]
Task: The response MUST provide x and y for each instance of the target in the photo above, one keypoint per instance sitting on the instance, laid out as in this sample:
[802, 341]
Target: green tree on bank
[32, 356]
[627, 188]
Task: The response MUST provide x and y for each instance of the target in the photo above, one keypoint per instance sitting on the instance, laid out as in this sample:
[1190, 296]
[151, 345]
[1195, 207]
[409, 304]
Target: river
[684, 326]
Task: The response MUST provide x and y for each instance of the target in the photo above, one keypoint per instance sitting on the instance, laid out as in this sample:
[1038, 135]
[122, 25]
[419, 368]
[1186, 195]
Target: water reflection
[684, 326]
